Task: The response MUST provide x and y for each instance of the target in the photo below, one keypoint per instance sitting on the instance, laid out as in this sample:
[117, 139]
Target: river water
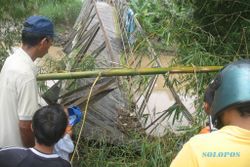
[159, 101]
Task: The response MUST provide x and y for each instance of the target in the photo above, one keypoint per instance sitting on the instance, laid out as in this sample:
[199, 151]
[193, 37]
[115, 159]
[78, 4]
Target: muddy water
[159, 101]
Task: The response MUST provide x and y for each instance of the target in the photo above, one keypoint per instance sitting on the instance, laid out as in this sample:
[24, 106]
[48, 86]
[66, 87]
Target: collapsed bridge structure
[104, 37]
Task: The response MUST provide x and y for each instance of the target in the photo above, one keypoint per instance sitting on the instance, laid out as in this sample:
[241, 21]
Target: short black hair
[32, 39]
[209, 95]
[49, 124]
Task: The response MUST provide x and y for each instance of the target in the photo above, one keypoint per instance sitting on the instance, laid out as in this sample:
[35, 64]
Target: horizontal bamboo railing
[127, 72]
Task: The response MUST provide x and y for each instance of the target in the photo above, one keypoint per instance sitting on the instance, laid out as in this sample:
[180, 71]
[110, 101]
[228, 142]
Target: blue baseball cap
[39, 25]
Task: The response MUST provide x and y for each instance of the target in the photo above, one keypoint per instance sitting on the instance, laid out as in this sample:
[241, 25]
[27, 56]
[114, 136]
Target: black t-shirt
[29, 157]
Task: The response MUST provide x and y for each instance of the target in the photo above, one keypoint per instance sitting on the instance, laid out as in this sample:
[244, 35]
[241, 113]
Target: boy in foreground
[48, 125]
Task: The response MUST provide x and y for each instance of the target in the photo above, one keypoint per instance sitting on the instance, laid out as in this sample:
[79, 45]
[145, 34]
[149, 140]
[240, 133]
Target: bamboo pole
[127, 72]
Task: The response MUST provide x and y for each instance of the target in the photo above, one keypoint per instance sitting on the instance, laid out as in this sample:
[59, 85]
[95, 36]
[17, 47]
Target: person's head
[232, 92]
[208, 98]
[37, 33]
[49, 124]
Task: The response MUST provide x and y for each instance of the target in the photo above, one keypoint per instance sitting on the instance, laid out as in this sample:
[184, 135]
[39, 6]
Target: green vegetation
[12, 13]
[201, 32]
[63, 13]
[215, 28]
[16, 10]
[146, 152]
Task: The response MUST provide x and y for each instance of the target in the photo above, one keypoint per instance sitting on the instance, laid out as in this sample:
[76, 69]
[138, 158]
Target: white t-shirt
[18, 96]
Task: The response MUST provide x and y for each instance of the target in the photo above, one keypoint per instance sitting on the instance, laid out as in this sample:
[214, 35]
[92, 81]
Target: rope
[84, 117]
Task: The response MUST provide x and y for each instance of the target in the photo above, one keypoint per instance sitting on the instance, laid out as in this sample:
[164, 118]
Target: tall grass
[140, 151]
[62, 13]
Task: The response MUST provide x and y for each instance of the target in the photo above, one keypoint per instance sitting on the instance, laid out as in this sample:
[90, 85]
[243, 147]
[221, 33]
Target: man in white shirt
[18, 86]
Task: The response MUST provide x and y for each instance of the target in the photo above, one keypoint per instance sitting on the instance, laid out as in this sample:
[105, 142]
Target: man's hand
[26, 133]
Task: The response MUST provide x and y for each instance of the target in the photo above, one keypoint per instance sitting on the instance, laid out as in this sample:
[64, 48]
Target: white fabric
[64, 147]
[18, 96]
[42, 154]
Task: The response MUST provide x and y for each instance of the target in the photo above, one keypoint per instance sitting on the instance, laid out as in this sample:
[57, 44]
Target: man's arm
[27, 105]
[26, 133]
